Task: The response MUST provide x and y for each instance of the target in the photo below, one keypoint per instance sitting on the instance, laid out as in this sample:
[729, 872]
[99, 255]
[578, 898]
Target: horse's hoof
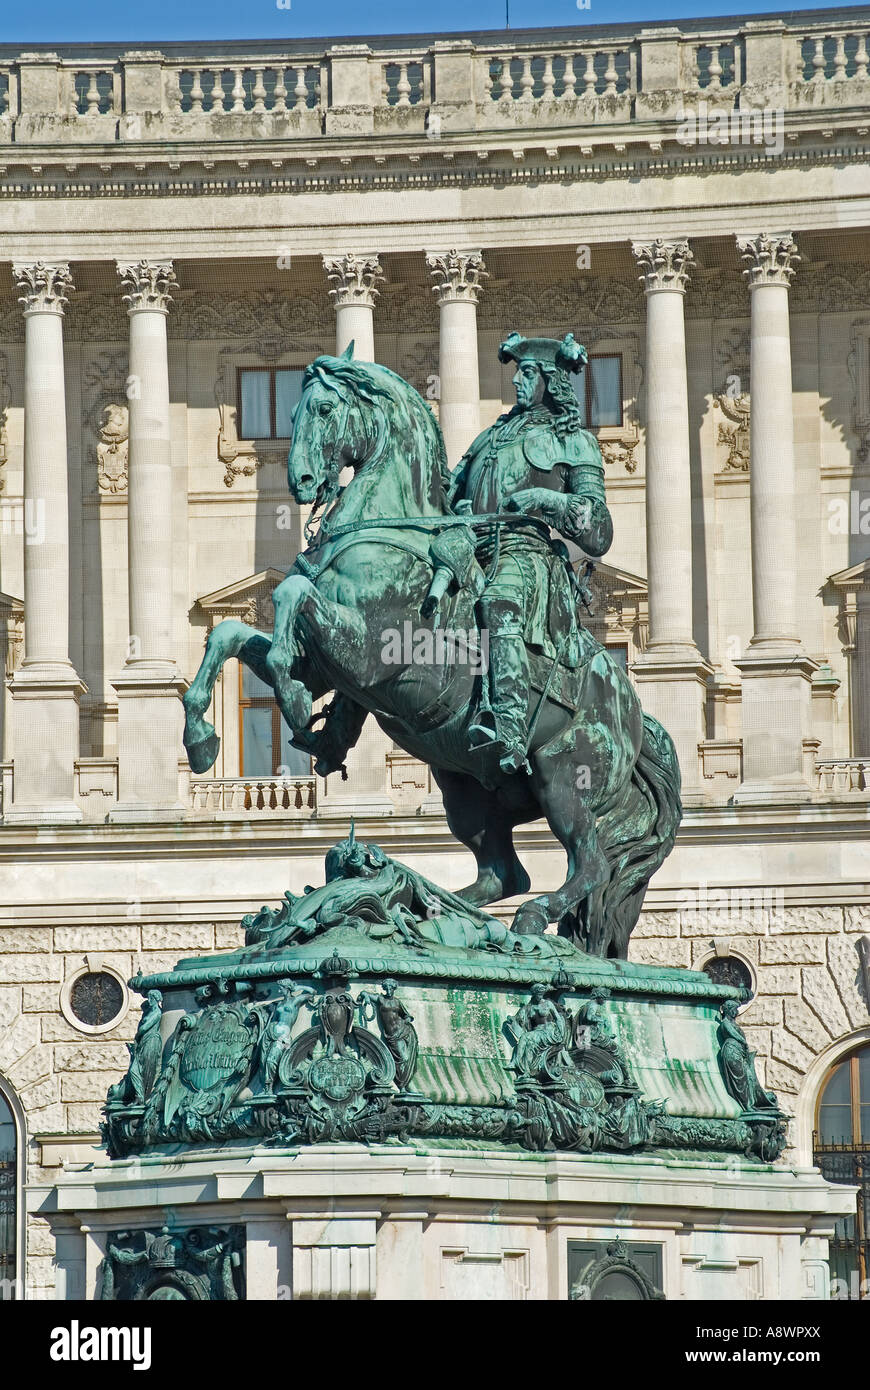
[530, 920]
[203, 754]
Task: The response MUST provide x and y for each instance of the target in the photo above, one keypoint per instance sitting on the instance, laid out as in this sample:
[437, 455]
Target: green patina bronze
[553, 727]
[380, 1006]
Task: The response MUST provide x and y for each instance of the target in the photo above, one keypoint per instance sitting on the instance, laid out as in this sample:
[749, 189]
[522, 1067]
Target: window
[267, 398]
[842, 1151]
[599, 390]
[618, 652]
[8, 1206]
[265, 738]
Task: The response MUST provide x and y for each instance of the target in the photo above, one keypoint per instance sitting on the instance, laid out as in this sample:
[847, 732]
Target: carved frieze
[581, 302]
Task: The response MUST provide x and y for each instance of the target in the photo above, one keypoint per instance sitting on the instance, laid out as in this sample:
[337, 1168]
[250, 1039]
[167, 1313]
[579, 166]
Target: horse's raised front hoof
[203, 753]
[530, 920]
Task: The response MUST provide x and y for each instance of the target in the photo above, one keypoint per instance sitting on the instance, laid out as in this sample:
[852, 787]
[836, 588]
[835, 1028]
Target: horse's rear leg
[571, 817]
[476, 817]
[230, 638]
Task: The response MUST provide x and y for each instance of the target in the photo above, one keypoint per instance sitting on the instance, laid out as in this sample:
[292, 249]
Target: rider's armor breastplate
[509, 457]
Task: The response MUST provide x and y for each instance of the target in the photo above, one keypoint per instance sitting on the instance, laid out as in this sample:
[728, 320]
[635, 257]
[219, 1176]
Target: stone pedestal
[45, 737]
[150, 724]
[444, 1225]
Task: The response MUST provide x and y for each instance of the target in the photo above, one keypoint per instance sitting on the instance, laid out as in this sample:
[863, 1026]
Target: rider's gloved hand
[537, 501]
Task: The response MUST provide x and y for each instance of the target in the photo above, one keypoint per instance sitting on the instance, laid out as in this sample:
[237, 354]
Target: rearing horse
[604, 774]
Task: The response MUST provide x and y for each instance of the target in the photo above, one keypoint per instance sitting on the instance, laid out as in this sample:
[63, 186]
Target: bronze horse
[603, 774]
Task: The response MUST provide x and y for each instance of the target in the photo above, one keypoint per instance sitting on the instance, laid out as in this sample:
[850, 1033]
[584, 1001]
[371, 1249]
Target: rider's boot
[504, 724]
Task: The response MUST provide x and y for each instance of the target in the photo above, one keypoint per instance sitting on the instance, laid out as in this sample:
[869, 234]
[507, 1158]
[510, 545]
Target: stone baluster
[46, 688]
[149, 711]
[458, 275]
[775, 669]
[672, 674]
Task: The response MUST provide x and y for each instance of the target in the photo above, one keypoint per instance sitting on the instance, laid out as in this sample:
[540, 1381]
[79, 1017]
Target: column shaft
[149, 502]
[149, 686]
[776, 673]
[354, 291]
[46, 689]
[672, 675]
[668, 476]
[772, 481]
[458, 277]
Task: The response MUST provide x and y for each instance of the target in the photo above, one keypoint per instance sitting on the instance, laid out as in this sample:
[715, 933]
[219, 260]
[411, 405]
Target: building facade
[186, 228]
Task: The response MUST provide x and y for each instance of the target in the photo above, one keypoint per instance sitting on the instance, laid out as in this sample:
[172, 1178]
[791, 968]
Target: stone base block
[150, 722]
[45, 736]
[777, 717]
[441, 1224]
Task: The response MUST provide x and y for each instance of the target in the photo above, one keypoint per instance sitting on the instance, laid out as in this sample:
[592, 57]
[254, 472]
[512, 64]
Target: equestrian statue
[527, 715]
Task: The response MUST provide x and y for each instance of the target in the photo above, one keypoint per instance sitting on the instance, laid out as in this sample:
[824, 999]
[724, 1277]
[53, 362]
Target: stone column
[457, 275]
[776, 672]
[46, 689]
[672, 675]
[149, 710]
[354, 291]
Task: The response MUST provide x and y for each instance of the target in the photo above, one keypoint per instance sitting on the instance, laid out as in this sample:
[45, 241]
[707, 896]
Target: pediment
[248, 599]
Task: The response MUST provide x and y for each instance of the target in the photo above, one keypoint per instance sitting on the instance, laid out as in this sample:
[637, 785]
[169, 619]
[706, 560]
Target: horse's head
[354, 413]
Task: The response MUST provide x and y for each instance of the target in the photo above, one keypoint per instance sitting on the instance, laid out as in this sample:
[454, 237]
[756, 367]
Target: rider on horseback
[538, 461]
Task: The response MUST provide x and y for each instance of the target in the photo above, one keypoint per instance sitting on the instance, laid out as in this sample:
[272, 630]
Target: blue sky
[68, 21]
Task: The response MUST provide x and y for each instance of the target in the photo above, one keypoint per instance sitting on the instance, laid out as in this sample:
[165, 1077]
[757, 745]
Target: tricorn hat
[568, 356]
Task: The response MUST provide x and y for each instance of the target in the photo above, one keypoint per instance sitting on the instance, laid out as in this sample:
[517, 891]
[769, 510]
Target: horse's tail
[636, 839]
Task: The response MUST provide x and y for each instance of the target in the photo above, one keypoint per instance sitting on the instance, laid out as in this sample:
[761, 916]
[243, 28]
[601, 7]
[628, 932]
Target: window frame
[854, 1097]
[263, 702]
[272, 372]
[587, 387]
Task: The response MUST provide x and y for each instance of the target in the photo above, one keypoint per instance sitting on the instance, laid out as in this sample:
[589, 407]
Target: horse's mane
[407, 412]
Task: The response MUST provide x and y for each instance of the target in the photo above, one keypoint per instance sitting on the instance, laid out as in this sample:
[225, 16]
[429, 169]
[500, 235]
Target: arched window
[8, 1211]
[842, 1150]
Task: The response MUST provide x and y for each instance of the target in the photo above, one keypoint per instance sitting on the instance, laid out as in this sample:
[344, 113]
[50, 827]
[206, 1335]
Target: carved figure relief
[196, 1264]
[106, 419]
[733, 400]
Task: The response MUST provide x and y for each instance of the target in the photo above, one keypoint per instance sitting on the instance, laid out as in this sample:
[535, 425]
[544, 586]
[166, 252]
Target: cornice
[250, 171]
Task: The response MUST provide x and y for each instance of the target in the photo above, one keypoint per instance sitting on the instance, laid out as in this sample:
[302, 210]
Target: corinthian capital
[457, 275]
[664, 264]
[44, 288]
[148, 285]
[771, 256]
[355, 279]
